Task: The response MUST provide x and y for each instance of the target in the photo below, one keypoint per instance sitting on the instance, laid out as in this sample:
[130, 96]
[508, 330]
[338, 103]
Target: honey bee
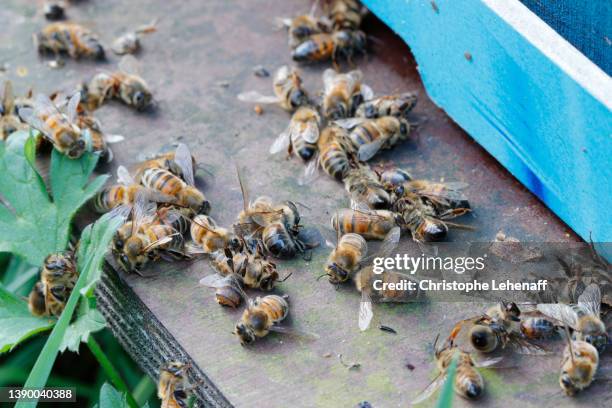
[342, 93]
[350, 255]
[301, 135]
[148, 239]
[364, 283]
[331, 46]
[584, 317]
[365, 189]
[99, 140]
[373, 224]
[184, 192]
[125, 85]
[262, 316]
[398, 105]
[537, 327]
[167, 160]
[498, 328]
[346, 14]
[57, 124]
[288, 91]
[173, 389]
[468, 382]
[301, 27]
[422, 220]
[211, 237]
[9, 120]
[578, 367]
[57, 279]
[70, 38]
[129, 43]
[335, 155]
[124, 193]
[228, 288]
[369, 136]
[442, 196]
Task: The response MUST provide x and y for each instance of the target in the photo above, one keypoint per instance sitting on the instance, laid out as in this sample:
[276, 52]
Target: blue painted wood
[536, 120]
[587, 24]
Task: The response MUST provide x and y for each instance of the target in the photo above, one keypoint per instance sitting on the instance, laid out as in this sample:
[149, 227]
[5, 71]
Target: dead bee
[346, 14]
[173, 389]
[584, 317]
[335, 155]
[301, 135]
[578, 367]
[331, 46]
[442, 196]
[98, 139]
[468, 381]
[129, 43]
[301, 27]
[70, 38]
[57, 279]
[342, 93]
[373, 224]
[398, 105]
[392, 178]
[125, 85]
[211, 238]
[288, 91]
[365, 190]
[57, 124]
[369, 136]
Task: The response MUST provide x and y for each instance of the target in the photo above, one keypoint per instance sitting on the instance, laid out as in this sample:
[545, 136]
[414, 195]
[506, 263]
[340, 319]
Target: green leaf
[448, 389]
[16, 321]
[95, 238]
[19, 276]
[111, 398]
[89, 320]
[33, 225]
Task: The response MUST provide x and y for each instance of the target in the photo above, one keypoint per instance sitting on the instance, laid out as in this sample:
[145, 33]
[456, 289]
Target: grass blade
[448, 391]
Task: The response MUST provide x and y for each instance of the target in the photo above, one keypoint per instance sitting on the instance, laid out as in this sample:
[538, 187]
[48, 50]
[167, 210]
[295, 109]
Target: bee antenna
[569, 343]
[436, 341]
[286, 277]
[320, 276]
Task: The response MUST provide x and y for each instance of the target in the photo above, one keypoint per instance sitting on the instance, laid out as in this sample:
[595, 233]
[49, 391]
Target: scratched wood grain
[203, 44]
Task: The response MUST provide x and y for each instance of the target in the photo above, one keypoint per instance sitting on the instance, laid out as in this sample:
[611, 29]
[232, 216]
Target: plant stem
[144, 390]
[111, 372]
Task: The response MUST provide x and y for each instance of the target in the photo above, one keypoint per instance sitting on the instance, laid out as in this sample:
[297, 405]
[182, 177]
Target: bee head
[139, 95]
[298, 98]
[512, 311]
[176, 368]
[98, 52]
[572, 379]
[245, 333]
[336, 274]
[482, 338]
[269, 276]
[370, 111]
[193, 198]
[337, 110]
[404, 127]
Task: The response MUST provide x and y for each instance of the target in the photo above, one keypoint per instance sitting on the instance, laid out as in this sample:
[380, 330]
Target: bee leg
[289, 151]
[335, 59]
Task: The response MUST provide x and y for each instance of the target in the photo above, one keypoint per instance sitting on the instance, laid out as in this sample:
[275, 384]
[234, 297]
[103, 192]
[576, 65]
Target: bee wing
[294, 332]
[367, 92]
[487, 362]
[353, 78]
[263, 218]
[73, 104]
[349, 123]
[243, 189]
[256, 97]
[183, 159]
[124, 177]
[143, 210]
[162, 241]
[430, 389]
[121, 211]
[30, 117]
[44, 105]
[389, 243]
[281, 143]
[450, 192]
[310, 172]
[367, 151]
[561, 312]
[329, 79]
[309, 131]
[524, 346]
[590, 299]
[219, 281]
[365, 311]
[128, 64]
[110, 138]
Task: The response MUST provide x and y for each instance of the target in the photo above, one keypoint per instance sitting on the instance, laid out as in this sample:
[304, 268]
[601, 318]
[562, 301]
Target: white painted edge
[560, 51]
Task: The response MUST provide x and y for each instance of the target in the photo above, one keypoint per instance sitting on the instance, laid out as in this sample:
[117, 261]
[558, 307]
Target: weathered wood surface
[200, 44]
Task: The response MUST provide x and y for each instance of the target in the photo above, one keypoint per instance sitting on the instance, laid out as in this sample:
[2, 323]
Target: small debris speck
[258, 109]
[22, 71]
[434, 6]
[261, 72]
[56, 63]
[350, 366]
[468, 56]
[364, 404]
[223, 84]
[410, 366]
[327, 355]
[387, 329]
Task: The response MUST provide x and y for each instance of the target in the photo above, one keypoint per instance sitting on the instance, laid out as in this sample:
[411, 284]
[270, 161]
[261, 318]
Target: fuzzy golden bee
[173, 388]
[301, 135]
[365, 189]
[211, 237]
[125, 85]
[346, 14]
[369, 136]
[288, 91]
[342, 93]
[578, 367]
[331, 46]
[335, 155]
[261, 316]
[69, 38]
[397, 105]
[584, 317]
[373, 224]
[468, 383]
[57, 279]
[57, 124]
